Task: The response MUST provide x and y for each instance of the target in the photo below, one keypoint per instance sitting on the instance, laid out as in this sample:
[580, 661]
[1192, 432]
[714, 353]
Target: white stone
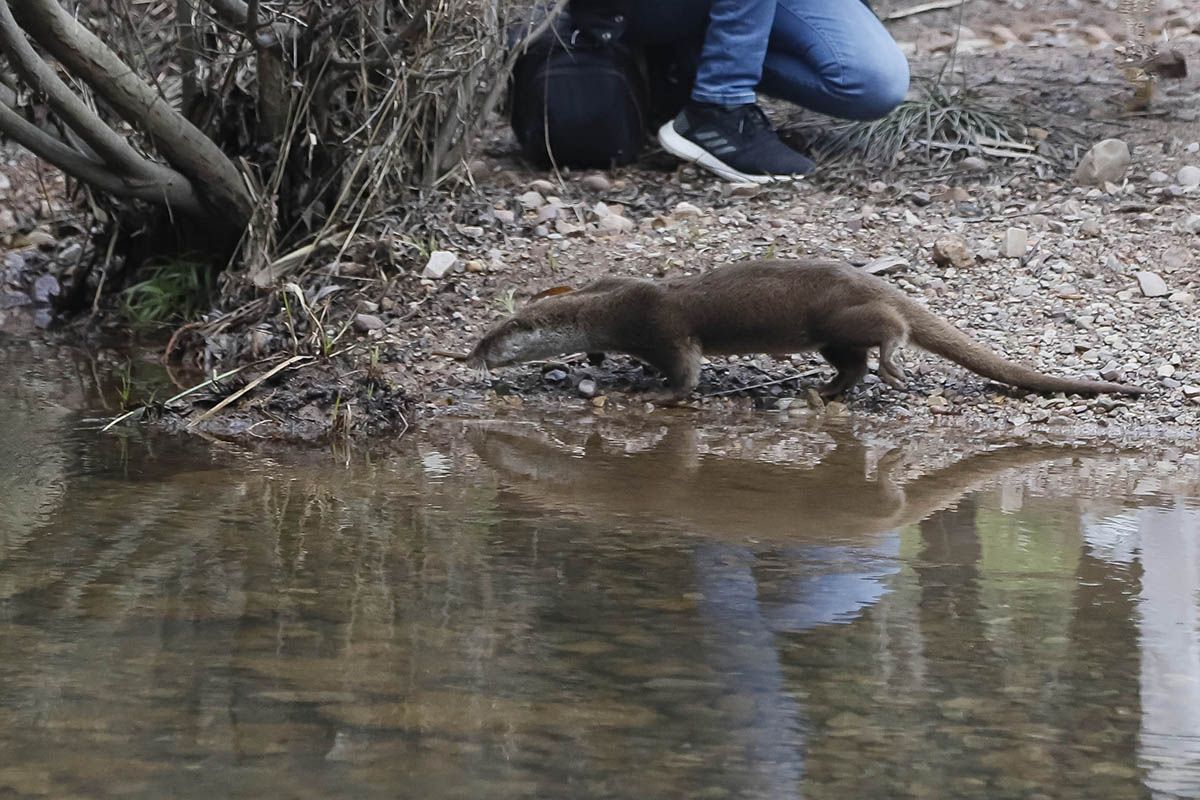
[1152, 285]
[1188, 176]
[1016, 242]
[440, 262]
[1105, 163]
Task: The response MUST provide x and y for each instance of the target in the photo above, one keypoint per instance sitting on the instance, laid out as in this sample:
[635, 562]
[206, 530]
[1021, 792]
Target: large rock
[1105, 163]
[951, 251]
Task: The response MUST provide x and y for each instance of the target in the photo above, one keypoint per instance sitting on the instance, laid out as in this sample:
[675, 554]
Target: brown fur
[753, 307]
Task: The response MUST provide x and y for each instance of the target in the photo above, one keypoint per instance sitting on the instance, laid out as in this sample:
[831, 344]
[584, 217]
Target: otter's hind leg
[869, 325]
[851, 366]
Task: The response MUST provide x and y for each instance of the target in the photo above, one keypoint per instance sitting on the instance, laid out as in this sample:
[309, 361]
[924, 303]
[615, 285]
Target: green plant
[508, 301]
[172, 292]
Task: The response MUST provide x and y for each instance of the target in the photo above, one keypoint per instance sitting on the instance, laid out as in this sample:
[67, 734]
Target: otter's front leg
[681, 364]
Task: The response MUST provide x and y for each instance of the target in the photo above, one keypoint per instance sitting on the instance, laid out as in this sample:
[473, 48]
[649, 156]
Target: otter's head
[514, 340]
[539, 330]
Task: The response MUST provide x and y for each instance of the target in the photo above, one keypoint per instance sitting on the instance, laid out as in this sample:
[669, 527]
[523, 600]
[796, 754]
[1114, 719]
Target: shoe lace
[752, 120]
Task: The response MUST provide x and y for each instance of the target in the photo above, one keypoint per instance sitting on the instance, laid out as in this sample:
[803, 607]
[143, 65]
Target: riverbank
[1074, 279]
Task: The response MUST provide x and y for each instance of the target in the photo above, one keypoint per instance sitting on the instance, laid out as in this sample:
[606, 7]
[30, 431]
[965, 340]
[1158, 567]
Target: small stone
[1090, 228]
[615, 224]
[504, 216]
[547, 213]
[686, 209]
[35, 238]
[532, 200]
[565, 228]
[1105, 163]
[475, 265]
[952, 251]
[1190, 390]
[596, 183]
[1016, 242]
[71, 253]
[1182, 298]
[586, 388]
[1188, 176]
[1165, 371]
[5, 183]
[921, 198]
[542, 186]
[45, 287]
[14, 299]
[877, 187]
[474, 231]
[555, 376]
[1152, 285]
[745, 189]
[974, 164]
[440, 262]
[1191, 224]
[1159, 178]
[365, 323]
[599, 402]
[1176, 258]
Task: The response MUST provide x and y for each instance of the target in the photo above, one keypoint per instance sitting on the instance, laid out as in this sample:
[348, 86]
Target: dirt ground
[1074, 300]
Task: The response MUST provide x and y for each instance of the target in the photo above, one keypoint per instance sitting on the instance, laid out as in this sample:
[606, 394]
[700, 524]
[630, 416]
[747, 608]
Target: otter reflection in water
[830, 500]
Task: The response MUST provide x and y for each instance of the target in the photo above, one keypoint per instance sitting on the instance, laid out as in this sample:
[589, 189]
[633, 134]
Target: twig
[911, 11]
[810, 373]
[247, 388]
[210, 382]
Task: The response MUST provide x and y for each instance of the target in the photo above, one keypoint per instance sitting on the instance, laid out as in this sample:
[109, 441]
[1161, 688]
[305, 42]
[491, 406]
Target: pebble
[71, 253]
[504, 216]
[921, 198]
[1191, 224]
[1188, 176]
[745, 189]
[974, 164]
[686, 209]
[35, 238]
[532, 200]
[1191, 390]
[1159, 178]
[547, 213]
[542, 186]
[440, 262]
[365, 323]
[1182, 298]
[555, 376]
[1016, 242]
[1152, 285]
[1165, 371]
[1090, 228]
[596, 183]
[1105, 163]
[586, 388]
[952, 251]
[615, 224]
[45, 287]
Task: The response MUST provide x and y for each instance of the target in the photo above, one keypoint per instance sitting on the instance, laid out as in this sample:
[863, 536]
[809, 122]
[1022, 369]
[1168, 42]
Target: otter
[771, 307]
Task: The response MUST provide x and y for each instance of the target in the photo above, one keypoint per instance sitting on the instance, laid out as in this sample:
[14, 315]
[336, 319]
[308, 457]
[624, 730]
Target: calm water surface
[589, 608]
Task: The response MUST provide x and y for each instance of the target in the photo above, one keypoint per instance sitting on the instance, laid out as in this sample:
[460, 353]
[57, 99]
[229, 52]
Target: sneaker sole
[689, 151]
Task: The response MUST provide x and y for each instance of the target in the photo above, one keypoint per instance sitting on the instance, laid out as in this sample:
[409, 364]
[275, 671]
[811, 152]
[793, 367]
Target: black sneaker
[735, 142]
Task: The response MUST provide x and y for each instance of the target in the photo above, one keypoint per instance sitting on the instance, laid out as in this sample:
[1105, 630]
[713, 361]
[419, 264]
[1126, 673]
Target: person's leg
[835, 57]
[722, 129]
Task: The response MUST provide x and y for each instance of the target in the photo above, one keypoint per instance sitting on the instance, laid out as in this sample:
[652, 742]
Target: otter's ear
[551, 292]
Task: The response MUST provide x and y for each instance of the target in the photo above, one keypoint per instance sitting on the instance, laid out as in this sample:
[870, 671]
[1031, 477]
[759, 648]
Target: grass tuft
[172, 293]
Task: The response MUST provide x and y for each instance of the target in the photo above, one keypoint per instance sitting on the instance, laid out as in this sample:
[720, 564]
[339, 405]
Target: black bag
[578, 96]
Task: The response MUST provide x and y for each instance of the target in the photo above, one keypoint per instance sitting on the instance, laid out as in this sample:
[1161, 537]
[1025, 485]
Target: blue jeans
[832, 56]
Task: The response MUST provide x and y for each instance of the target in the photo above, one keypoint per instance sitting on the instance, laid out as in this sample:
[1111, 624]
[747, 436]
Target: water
[617, 607]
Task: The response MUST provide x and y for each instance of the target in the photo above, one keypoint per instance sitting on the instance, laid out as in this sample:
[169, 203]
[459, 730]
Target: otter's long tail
[934, 334]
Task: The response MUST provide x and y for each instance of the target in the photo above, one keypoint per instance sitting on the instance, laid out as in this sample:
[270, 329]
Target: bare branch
[43, 144]
[35, 72]
[181, 142]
